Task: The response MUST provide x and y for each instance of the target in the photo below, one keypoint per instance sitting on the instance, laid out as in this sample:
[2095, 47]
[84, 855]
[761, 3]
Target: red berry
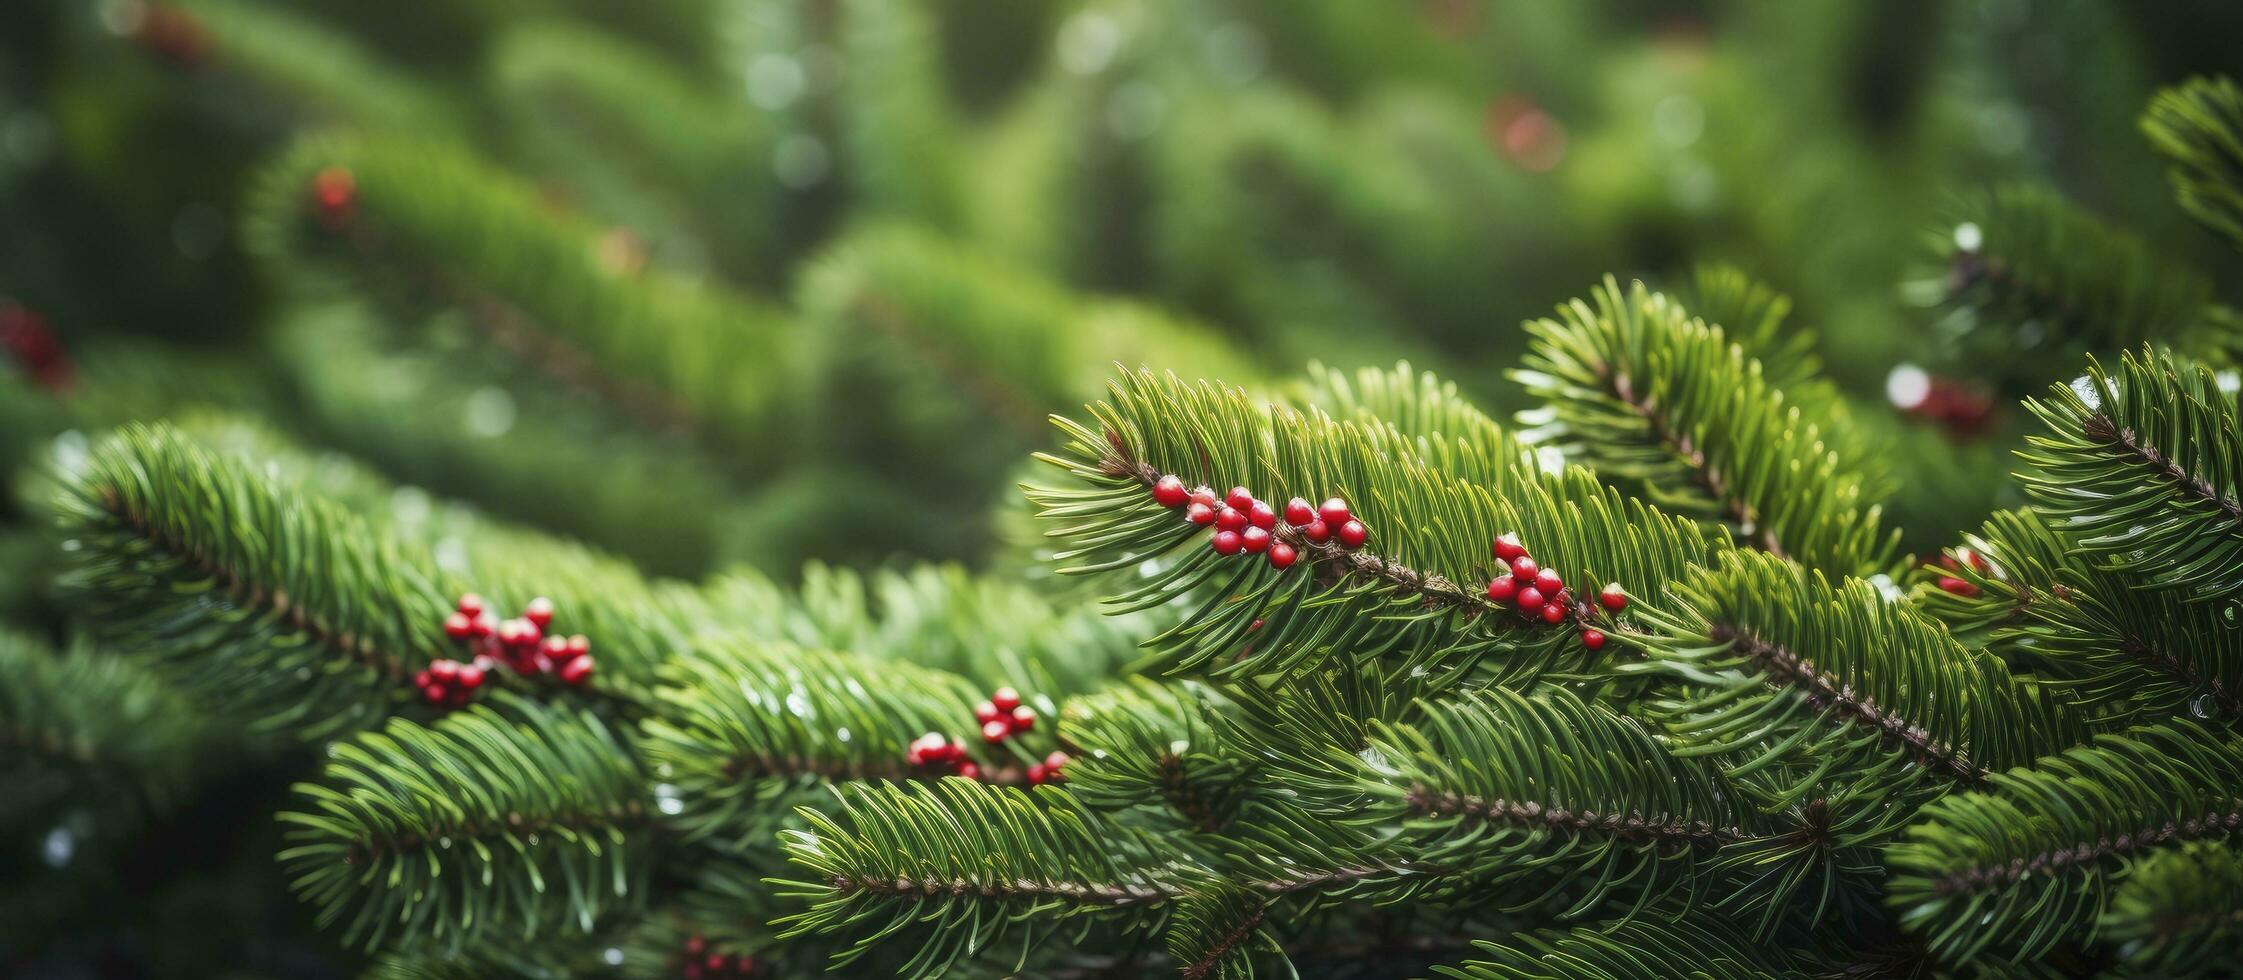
[1549, 582]
[444, 670]
[1593, 639]
[696, 945]
[1317, 532]
[1261, 516]
[539, 612]
[1334, 512]
[1226, 543]
[1281, 555]
[1951, 584]
[970, 771]
[579, 645]
[1553, 613]
[716, 962]
[423, 680]
[1200, 514]
[471, 605]
[1231, 519]
[1353, 534]
[1298, 512]
[1502, 588]
[1205, 496]
[470, 677]
[1056, 759]
[485, 623]
[576, 671]
[1023, 718]
[1508, 548]
[555, 649]
[986, 712]
[1005, 698]
[459, 626]
[1525, 568]
[1239, 498]
[435, 692]
[1170, 492]
[995, 730]
[1036, 774]
[1254, 540]
[1530, 599]
[1613, 597]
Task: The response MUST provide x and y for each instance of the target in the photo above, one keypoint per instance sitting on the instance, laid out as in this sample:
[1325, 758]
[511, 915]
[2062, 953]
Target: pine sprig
[1411, 598]
[514, 819]
[1155, 747]
[1445, 427]
[2179, 912]
[741, 724]
[1671, 408]
[2143, 467]
[2029, 861]
[1821, 688]
[965, 866]
[2198, 127]
[1638, 947]
[89, 728]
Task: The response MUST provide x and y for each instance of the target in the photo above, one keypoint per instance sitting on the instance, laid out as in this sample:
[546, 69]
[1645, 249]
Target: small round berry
[1200, 514]
[970, 771]
[471, 605]
[1298, 512]
[1508, 548]
[1353, 534]
[986, 712]
[1170, 492]
[717, 962]
[1281, 555]
[995, 730]
[1334, 512]
[555, 648]
[1261, 516]
[470, 677]
[579, 645]
[1613, 597]
[1530, 599]
[1023, 718]
[515, 632]
[1036, 774]
[1005, 698]
[539, 612]
[1231, 519]
[1593, 639]
[1254, 540]
[1226, 542]
[1956, 586]
[459, 626]
[485, 624]
[1206, 496]
[444, 670]
[1553, 613]
[696, 946]
[1525, 568]
[1239, 498]
[1548, 581]
[423, 679]
[1502, 588]
[577, 671]
[1317, 532]
[1056, 759]
[436, 692]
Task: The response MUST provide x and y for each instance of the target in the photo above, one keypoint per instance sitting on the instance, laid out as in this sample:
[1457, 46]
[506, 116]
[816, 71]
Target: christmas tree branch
[2179, 910]
[1643, 946]
[2198, 127]
[85, 727]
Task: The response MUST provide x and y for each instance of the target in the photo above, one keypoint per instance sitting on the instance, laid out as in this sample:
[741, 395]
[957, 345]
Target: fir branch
[513, 818]
[2144, 470]
[88, 728]
[2198, 127]
[2179, 911]
[1645, 946]
[1145, 745]
[1668, 405]
[2026, 863]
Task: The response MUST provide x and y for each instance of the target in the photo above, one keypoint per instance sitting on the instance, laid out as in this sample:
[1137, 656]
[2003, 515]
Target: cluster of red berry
[1003, 716]
[1962, 586]
[522, 642]
[1541, 593]
[27, 338]
[334, 197]
[935, 751]
[1244, 523]
[699, 963]
[449, 683]
[1048, 771]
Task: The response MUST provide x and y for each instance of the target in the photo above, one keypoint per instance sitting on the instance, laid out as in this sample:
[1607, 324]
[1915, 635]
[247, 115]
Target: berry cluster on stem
[1002, 716]
[1246, 524]
[522, 643]
[1956, 585]
[1541, 593]
[698, 962]
[936, 752]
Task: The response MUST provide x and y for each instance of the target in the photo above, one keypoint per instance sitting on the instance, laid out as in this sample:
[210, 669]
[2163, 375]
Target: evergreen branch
[962, 864]
[2198, 127]
[741, 723]
[1445, 428]
[1776, 669]
[1215, 935]
[1401, 600]
[1636, 947]
[1752, 314]
[89, 728]
[2028, 862]
[1146, 745]
[2179, 911]
[2145, 471]
[1664, 403]
[315, 71]
[524, 818]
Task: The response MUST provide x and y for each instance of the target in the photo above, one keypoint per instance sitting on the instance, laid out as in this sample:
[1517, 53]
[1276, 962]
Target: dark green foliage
[496, 820]
[2198, 126]
[1640, 947]
[1667, 406]
[91, 729]
[310, 70]
[2180, 911]
[1154, 748]
[2029, 861]
[2143, 467]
